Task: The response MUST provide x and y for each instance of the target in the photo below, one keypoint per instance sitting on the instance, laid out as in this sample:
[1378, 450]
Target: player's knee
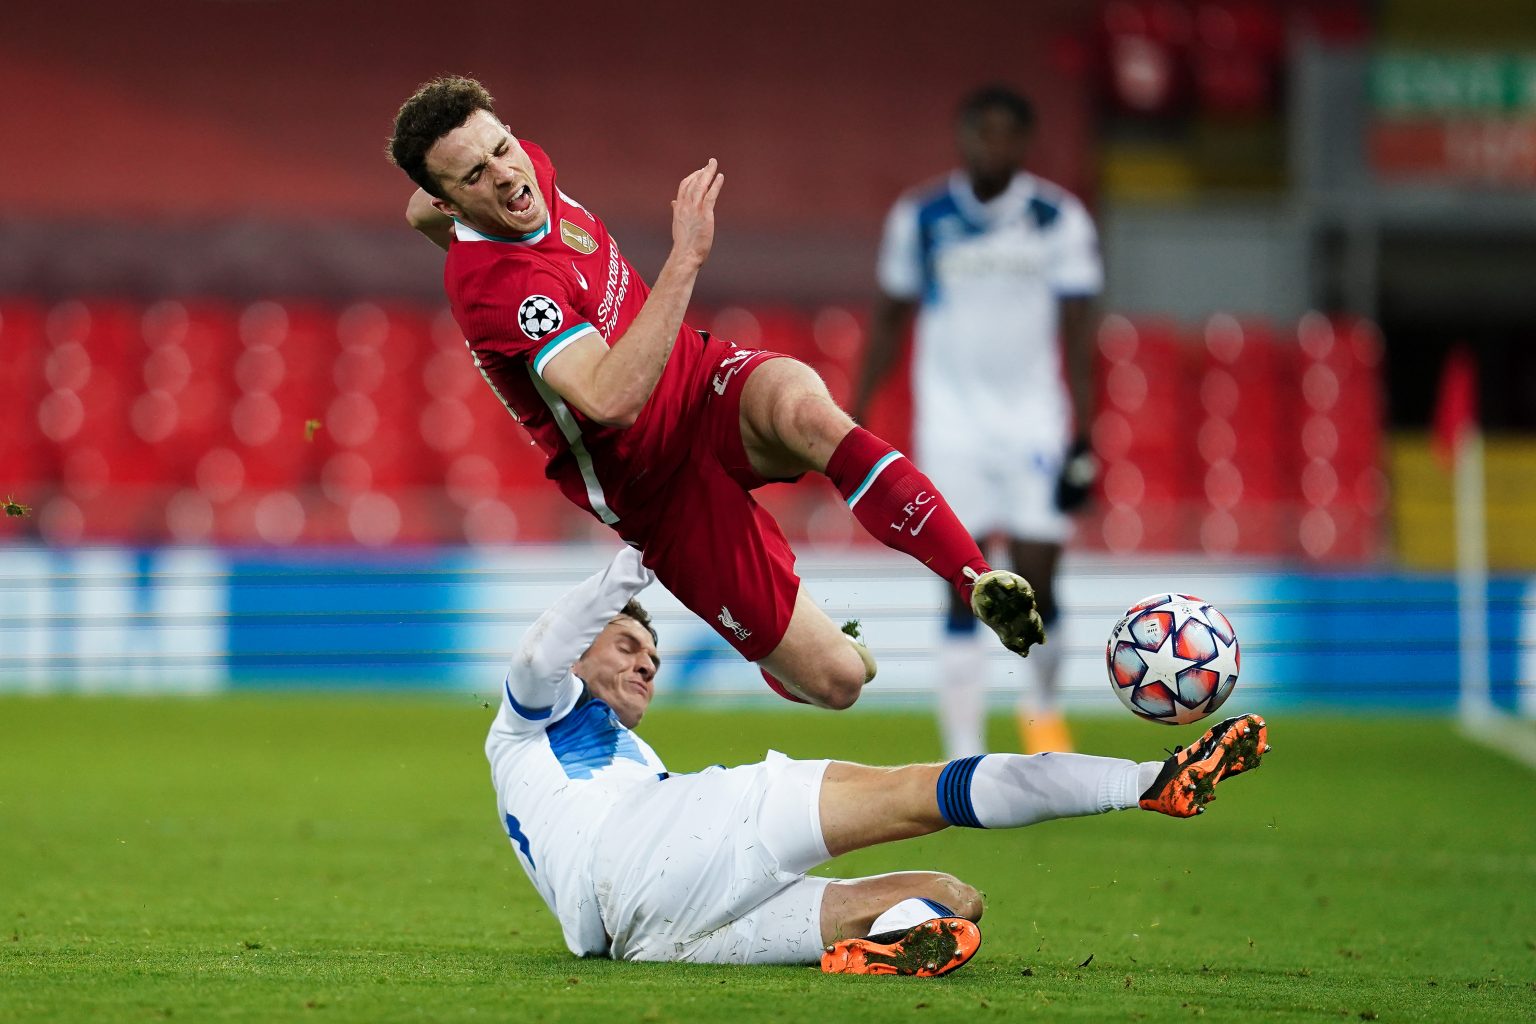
[840, 691]
[838, 678]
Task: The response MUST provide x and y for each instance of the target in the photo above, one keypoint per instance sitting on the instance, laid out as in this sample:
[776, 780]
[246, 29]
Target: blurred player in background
[654, 428]
[639, 864]
[997, 264]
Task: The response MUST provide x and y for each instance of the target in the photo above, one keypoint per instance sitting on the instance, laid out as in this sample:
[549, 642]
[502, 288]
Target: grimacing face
[620, 669]
[487, 178]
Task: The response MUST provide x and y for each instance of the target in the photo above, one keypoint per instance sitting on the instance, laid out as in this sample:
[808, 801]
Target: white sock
[911, 911]
[962, 695]
[1039, 694]
[1014, 790]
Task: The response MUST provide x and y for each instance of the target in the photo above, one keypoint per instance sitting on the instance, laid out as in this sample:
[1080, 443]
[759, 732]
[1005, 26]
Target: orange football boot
[1188, 779]
[927, 950]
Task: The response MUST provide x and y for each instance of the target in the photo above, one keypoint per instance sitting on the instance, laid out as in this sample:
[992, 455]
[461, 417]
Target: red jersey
[520, 301]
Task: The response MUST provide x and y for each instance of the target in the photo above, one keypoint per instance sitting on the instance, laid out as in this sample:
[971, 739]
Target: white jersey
[988, 277]
[560, 758]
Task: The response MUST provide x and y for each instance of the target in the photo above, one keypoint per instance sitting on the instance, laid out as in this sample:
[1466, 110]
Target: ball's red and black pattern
[1173, 658]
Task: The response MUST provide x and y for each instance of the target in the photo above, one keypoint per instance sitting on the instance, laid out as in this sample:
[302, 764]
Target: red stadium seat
[280, 376]
[93, 369]
[1144, 432]
[1344, 489]
[276, 423]
[26, 463]
[491, 472]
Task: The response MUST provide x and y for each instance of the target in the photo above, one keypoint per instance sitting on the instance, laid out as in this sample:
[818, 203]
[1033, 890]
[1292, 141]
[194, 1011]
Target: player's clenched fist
[693, 212]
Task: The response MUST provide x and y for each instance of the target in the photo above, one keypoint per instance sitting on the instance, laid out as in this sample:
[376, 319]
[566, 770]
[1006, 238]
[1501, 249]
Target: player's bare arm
[611, 384]
[889, 319]
[426, 218]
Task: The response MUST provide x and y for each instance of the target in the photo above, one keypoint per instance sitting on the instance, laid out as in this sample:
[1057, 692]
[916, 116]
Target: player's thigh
[862, 805]
[722, 555]
[789, 421]
[815, 658]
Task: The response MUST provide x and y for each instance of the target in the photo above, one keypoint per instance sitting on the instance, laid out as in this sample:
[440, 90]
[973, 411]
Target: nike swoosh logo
[916, 529]
[578, 273]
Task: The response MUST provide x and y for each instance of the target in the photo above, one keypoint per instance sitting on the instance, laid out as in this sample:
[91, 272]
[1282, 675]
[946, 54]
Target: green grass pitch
[337, 858]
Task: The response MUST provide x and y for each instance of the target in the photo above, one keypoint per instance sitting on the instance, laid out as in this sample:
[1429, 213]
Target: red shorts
[708, 541]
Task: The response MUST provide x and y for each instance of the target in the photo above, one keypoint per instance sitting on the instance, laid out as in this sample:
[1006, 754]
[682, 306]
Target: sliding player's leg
[790, 425]
[915, 923]
[711, 867]
[864, 806]
[861, 907]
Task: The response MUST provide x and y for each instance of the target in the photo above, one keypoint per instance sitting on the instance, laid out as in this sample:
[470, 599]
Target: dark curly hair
[433, 111]
[635, 610]
[996, 97]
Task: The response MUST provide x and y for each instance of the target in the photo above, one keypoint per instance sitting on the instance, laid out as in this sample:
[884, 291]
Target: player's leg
[723, 556]
[816, 661]
[915, 923]
[790, 425]
[962, 681]
[859, 907]
[1042, 725]
[722, 862]
[864, 806]
[961, 469]
[710, 867]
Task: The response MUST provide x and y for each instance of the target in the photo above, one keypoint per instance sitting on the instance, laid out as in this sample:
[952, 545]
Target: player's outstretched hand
[693, 213]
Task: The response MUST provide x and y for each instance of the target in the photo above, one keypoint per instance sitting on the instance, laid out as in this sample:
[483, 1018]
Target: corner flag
[1456, 405]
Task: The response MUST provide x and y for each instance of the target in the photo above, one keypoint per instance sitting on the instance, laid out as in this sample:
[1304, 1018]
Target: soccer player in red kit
[657, 429]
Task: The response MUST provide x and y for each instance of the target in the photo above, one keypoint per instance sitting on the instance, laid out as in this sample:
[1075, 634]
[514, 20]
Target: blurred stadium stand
[238, 148]
[224, 357]
[246, 271]
[280, 423]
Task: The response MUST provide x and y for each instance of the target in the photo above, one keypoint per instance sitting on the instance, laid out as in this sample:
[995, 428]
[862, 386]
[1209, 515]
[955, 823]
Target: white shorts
[998, 488]
[710, 867]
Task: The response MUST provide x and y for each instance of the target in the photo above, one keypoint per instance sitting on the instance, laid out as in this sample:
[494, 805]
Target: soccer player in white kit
[640, 864]
[995, 262]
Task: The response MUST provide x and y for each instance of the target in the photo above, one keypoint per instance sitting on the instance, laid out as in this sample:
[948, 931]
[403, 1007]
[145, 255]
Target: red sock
[901, 508]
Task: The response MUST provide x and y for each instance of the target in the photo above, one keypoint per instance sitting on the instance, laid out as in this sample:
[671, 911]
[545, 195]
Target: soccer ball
[1173, 658]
